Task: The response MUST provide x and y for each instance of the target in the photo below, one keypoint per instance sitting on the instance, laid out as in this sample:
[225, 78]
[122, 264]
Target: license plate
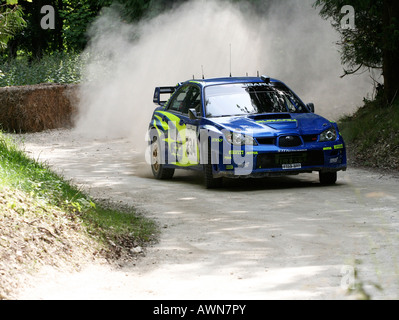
[292, 166]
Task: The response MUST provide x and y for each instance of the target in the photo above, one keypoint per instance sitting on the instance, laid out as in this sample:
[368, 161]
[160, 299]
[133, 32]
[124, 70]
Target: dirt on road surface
[276, 238]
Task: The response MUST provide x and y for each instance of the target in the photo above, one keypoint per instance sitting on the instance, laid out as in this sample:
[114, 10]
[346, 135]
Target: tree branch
[350, 72]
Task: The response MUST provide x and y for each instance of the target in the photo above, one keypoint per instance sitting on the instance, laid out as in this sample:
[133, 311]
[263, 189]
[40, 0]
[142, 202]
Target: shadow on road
[253, 184]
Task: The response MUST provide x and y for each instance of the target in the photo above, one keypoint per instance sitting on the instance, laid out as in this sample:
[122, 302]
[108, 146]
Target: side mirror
[192, 114]
[310, 107]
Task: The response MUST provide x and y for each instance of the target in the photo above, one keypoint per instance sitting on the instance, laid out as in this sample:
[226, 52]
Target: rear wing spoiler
[162, 91]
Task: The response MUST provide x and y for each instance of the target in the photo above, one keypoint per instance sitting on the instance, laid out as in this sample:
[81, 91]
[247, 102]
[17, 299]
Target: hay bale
[38, 107]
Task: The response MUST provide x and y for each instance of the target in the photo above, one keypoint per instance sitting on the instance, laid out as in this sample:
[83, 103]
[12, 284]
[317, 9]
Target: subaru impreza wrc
[241, 128]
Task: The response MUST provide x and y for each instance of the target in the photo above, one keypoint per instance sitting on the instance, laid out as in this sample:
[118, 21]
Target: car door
[182, 133]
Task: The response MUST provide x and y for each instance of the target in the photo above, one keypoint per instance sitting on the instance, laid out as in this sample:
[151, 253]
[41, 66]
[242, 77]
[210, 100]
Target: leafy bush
[59, 67]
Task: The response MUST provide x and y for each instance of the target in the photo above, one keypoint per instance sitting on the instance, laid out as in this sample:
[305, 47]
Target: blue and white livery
[240, 128]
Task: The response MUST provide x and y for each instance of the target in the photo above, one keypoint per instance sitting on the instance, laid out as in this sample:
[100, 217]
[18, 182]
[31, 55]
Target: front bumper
[264, 162]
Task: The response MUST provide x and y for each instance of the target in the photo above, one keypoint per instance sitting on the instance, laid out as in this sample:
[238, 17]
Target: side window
[195, 102]
[178, 100]
[188, 97]
[289, 104]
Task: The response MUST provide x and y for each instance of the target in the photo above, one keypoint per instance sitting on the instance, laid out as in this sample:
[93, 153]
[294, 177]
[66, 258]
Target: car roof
[231, 80]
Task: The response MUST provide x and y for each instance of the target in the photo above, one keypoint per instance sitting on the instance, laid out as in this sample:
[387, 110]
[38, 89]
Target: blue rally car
[241, 127]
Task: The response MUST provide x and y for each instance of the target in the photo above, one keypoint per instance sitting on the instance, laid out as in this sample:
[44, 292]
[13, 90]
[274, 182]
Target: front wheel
[210, 181]
[328, 178]
[157, 166]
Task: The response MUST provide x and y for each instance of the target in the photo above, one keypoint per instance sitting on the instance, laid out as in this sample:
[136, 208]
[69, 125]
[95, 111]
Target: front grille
[289, 141]
[277, 160]
[268, 141]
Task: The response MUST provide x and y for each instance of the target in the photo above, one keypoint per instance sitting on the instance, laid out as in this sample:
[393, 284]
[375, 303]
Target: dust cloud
[125, 62]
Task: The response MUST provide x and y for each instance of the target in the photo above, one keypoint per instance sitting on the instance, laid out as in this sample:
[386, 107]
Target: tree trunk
[391, 49]
[59, 25]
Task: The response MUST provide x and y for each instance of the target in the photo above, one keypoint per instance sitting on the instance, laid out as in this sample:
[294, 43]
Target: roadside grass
[372, 135]
[44, 220]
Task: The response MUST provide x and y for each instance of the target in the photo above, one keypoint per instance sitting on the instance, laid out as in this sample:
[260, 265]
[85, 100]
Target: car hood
[274, 124]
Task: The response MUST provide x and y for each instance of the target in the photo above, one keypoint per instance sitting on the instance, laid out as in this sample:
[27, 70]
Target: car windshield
[251, 98]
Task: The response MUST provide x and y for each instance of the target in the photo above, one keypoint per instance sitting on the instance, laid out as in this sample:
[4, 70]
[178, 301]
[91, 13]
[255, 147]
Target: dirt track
[286, 238]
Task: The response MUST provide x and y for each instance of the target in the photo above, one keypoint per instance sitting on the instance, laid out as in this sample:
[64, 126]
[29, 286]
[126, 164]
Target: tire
[210, 181]
[328, 178]
[158, 169]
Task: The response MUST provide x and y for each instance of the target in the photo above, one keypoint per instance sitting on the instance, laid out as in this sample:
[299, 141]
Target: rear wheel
[210, 181]
[328, 178]
[157, 166]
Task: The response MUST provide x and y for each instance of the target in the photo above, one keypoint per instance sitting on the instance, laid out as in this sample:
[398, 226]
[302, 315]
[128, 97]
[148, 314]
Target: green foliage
[373, 43]
[72, 19]
[132, 10]
[379, 124]
[135, 10]
[77, 16]
[59, 67]
[373, 134]
[11, 22]
[362, 46]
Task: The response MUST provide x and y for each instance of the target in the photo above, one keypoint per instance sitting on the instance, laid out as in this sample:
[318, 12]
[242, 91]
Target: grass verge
[44, 220]
[372, 135]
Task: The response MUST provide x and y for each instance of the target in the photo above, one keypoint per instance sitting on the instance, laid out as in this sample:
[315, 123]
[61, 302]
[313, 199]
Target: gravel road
[278, 238]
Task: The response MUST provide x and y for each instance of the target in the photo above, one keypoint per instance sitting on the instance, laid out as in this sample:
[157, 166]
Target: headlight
[329, 135]
[239, 139]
